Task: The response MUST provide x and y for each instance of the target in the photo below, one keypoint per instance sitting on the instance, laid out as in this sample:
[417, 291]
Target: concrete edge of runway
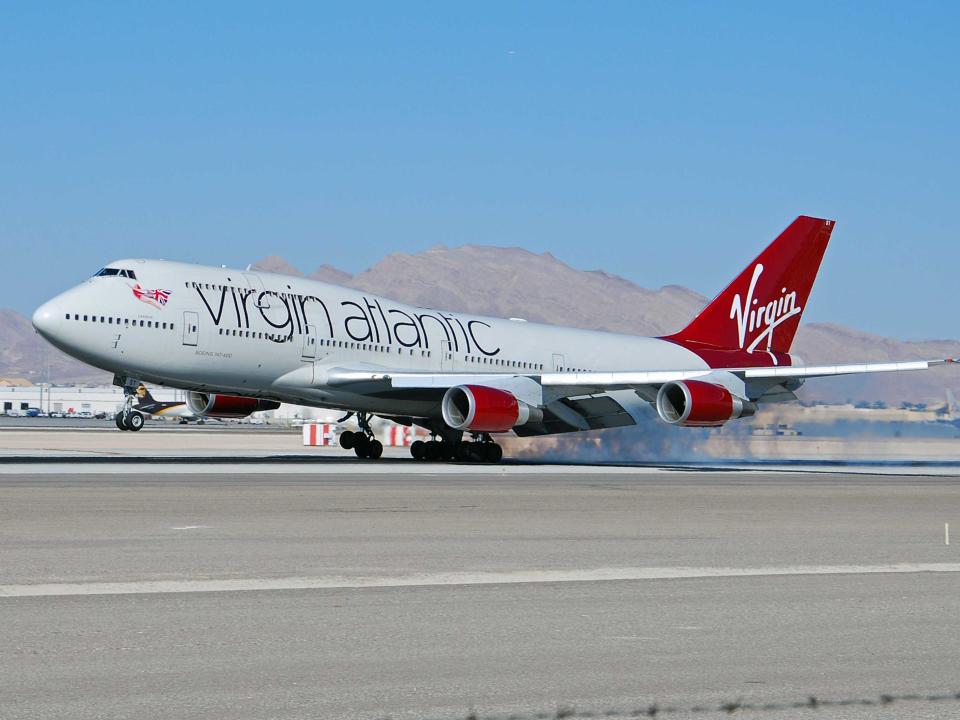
[304, 463]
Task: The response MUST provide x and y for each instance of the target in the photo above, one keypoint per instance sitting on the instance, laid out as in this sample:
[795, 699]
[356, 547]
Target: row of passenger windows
[215, 286]
[502, 362]
[350, 345]
[254, 335]
[126, 322]
[345, 344]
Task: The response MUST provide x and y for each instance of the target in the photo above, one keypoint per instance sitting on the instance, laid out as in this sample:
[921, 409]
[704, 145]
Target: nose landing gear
[128, 418]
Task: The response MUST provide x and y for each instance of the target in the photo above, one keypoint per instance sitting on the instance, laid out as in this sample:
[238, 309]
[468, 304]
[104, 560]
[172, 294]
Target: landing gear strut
[482, 449]
[362, 443]
[128, 418]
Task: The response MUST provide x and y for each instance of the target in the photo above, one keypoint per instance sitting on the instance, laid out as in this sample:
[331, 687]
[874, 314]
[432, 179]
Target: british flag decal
[157, 298]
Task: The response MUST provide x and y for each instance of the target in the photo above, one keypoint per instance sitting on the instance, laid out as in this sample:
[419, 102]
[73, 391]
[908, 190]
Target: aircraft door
[558, 362]
[254, 282]
[446, 355]
[191, 328]
[309, 350]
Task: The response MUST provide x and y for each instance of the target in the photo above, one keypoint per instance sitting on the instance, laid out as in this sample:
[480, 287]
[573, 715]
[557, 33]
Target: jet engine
[484, 409]
[226, 406]
[694, 403]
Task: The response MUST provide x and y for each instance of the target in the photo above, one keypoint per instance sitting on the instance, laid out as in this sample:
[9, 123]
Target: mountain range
[512, 282]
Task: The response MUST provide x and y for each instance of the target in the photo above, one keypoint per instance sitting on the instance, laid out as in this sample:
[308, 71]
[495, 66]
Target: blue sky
[666, 142]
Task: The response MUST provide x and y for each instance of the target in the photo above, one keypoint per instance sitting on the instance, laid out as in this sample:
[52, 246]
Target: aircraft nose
[45, 319]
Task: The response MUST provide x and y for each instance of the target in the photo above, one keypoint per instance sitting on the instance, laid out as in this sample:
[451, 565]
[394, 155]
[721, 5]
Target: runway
[132, 593]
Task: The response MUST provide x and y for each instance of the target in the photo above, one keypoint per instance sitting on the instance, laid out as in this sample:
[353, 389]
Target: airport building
[77, 400]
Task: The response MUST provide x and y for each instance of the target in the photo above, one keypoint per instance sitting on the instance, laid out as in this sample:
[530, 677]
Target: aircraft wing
[622, 379]
[590, 400]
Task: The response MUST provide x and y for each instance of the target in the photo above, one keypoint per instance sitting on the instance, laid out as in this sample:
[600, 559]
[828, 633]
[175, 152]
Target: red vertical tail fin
[761, 309]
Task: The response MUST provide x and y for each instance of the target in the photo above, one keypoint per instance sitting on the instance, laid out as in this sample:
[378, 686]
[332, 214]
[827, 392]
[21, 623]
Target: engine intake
[484, 409]
[226, 406]
[694, 403]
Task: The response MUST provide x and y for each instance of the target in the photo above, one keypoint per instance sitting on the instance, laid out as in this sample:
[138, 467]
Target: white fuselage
[266, 335]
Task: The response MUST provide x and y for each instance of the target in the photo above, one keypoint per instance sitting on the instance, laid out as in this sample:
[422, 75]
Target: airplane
[146, 405]
[240, 341]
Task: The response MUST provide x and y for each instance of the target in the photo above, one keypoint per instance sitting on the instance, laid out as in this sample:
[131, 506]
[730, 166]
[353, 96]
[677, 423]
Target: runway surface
[130, 593]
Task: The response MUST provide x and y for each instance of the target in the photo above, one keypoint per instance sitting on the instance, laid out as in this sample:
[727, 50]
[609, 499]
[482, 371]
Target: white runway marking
[144, 587]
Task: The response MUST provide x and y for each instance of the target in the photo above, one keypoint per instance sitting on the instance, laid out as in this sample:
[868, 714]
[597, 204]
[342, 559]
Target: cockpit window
[115, 271]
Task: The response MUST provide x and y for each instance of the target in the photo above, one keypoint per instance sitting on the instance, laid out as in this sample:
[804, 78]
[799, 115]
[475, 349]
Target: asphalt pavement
[336, 595]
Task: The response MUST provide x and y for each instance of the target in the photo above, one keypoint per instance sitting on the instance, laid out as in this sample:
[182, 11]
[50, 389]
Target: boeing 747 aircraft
[243, 341]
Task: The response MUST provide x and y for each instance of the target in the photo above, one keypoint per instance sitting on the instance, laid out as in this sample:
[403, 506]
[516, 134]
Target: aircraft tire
[121, 425]
[347, 440]
[361, 445]
[448, 451]
[492, 453]
[374, 449]
[463, 451]
[432, 450]
[418, 450]
[135, 421]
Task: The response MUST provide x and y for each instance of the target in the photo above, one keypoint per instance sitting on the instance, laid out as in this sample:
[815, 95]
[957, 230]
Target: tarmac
[316, 590]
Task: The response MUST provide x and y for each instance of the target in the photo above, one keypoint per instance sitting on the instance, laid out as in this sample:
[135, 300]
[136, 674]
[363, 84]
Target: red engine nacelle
[226, 406]
[484, 409]
[700, 404]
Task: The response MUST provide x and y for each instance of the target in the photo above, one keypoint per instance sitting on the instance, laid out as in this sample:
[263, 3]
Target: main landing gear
[362, 443]
[482, 449]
